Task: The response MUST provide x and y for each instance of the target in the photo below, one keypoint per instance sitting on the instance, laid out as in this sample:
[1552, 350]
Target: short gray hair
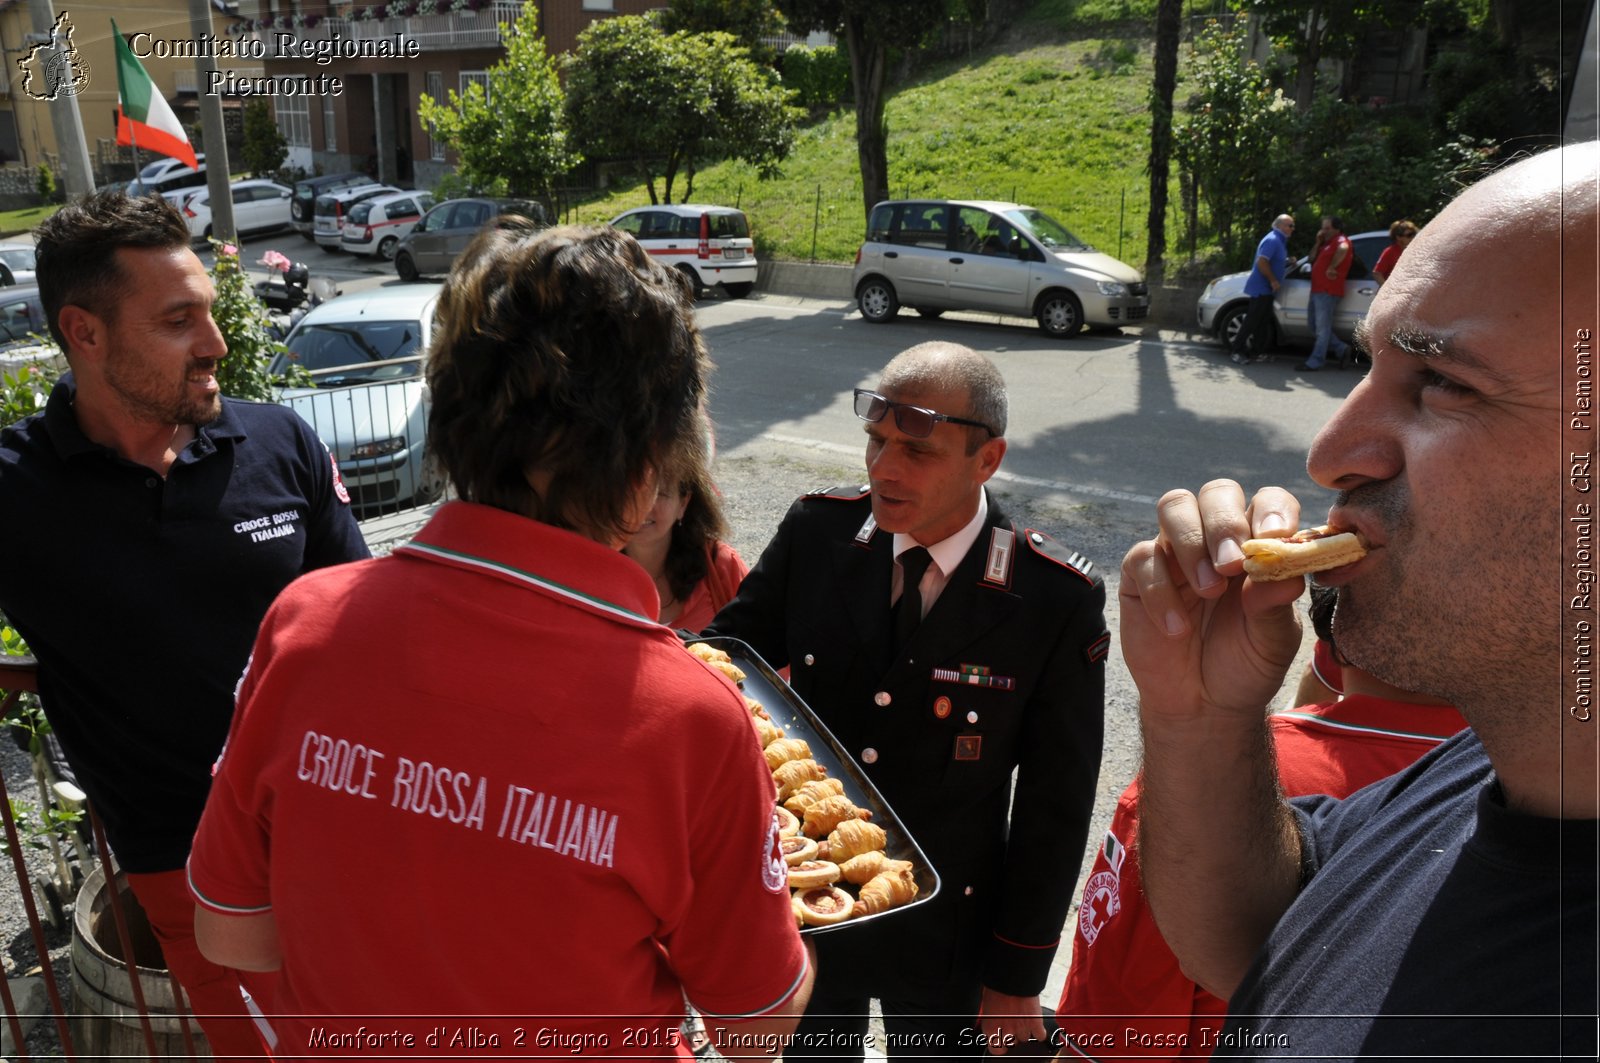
[941, 366]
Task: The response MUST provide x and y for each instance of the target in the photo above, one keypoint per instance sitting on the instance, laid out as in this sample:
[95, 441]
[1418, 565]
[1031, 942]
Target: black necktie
[913, 563]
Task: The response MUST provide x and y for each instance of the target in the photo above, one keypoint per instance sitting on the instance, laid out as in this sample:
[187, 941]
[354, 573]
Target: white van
[709, 245]
[1005, 258]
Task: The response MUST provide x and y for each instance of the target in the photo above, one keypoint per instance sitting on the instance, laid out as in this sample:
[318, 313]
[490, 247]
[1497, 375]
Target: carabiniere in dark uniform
[1006, 671]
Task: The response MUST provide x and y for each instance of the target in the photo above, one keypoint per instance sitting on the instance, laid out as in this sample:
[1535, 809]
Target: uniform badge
[969, 747]
[1096, 651]
[338, 484]
[975, 675]
[865, 534]
[774, 870]
[997, 569]
[941, 707]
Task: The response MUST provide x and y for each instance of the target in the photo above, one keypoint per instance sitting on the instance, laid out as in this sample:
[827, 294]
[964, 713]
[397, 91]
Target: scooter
[287, 290]
[283, 319]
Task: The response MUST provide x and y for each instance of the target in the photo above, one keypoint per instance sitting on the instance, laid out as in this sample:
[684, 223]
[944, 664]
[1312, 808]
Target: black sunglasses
[915, 421]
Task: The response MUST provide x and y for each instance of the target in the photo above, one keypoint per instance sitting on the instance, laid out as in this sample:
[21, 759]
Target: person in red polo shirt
[476, 800]
[1331, 264]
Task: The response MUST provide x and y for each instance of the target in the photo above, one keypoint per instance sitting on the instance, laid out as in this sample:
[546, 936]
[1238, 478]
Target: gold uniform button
[882, 698]
[869, 756]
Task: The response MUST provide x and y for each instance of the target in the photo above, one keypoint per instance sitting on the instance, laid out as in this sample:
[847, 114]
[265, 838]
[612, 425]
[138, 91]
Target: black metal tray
[792, 714]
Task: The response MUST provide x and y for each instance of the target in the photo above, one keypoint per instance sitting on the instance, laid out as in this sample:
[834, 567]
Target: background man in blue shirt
[1271, 263]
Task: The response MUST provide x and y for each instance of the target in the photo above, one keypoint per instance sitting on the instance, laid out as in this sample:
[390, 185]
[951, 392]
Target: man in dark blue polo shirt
[151, 522]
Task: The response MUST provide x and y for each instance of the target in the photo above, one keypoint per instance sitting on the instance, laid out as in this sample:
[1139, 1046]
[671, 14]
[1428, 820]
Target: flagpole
[133, 142]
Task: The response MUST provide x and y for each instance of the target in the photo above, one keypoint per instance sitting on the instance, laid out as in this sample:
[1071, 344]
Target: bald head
[1283, 223]
[940, 366]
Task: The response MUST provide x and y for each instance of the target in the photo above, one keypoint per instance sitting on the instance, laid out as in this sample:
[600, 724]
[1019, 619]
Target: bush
[265, 147]
[45, 184]
[243, 322]
[820, 77]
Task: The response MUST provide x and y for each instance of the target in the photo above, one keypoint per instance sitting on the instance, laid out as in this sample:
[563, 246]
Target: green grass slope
[1062, 125]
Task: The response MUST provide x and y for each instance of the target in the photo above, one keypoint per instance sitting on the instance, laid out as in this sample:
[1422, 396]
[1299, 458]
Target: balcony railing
[485, 28]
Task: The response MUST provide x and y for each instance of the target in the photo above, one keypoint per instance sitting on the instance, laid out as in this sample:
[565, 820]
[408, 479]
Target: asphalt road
[1100, 426]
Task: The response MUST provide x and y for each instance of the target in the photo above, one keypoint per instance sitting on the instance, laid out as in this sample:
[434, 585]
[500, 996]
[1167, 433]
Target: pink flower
[229, 249]
[275, 260]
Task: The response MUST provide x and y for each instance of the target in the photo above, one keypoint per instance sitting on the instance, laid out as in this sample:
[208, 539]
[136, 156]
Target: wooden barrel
[105, 1018]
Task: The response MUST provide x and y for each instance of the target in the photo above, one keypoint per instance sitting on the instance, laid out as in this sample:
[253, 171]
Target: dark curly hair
[77, 250]
[695, 536]
[570, 354]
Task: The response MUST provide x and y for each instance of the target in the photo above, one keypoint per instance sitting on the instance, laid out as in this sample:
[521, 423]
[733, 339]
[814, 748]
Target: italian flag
[144, 119]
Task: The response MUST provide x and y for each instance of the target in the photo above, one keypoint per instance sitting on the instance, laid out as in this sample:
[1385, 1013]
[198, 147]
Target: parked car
[368, 402]
[333, 206]
[302, 208]
[16, 263]
[709, 245]
[938, 255]
[165, 165]
[258, 207]
[377, 226]
[173, 182]
[446, 230]
[24, 333]
[1223, 304]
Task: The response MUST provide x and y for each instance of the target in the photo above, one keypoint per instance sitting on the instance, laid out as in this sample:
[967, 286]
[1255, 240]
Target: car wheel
[929, 312]
[386, 247]
[405, 267]
[1231, 321]
[432, 481]
[740, 289]
[1060, 314]
[309, 237]
[695, 286]
[877, 300]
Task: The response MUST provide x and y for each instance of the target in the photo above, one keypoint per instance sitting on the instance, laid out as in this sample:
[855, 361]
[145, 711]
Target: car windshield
[1049, 232]
[355, 346]
[17, 257]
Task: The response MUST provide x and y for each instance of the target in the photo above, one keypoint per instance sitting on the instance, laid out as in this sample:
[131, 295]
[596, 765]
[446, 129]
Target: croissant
[791, 775]
[859, 870]
[729, 669]
[755, 707]
[786, 749]
[767, 731]
[828, 813]
[707, 652]
[812, 792]
[852, 837]
[889, 889]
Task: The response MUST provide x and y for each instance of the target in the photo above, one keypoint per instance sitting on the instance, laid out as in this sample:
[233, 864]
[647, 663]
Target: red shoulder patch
[1097, 650]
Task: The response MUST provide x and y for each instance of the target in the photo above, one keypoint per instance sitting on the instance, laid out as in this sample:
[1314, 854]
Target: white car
[376, 226]
[367, 401]
[331, 209]
[935, 255]
[16, 263]
[709, 245]
[258, 207]
[1223, 304]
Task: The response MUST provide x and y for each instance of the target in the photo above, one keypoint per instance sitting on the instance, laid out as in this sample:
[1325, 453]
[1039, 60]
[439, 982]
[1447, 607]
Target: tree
[871, 29]
[751, 21]
[515, 131]
[265, 147]
[693, 98]
[1168, 28]
[1314, 30]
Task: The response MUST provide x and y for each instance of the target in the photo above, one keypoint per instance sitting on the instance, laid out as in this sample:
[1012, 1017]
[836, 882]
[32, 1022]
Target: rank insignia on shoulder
[1097, 650]
[1047, 547]
[865, 534]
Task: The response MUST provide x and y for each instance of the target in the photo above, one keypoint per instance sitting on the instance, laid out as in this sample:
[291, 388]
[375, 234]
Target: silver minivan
[1004, 258]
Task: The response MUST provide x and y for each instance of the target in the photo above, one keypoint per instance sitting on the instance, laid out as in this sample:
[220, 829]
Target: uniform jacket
[942, 752]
